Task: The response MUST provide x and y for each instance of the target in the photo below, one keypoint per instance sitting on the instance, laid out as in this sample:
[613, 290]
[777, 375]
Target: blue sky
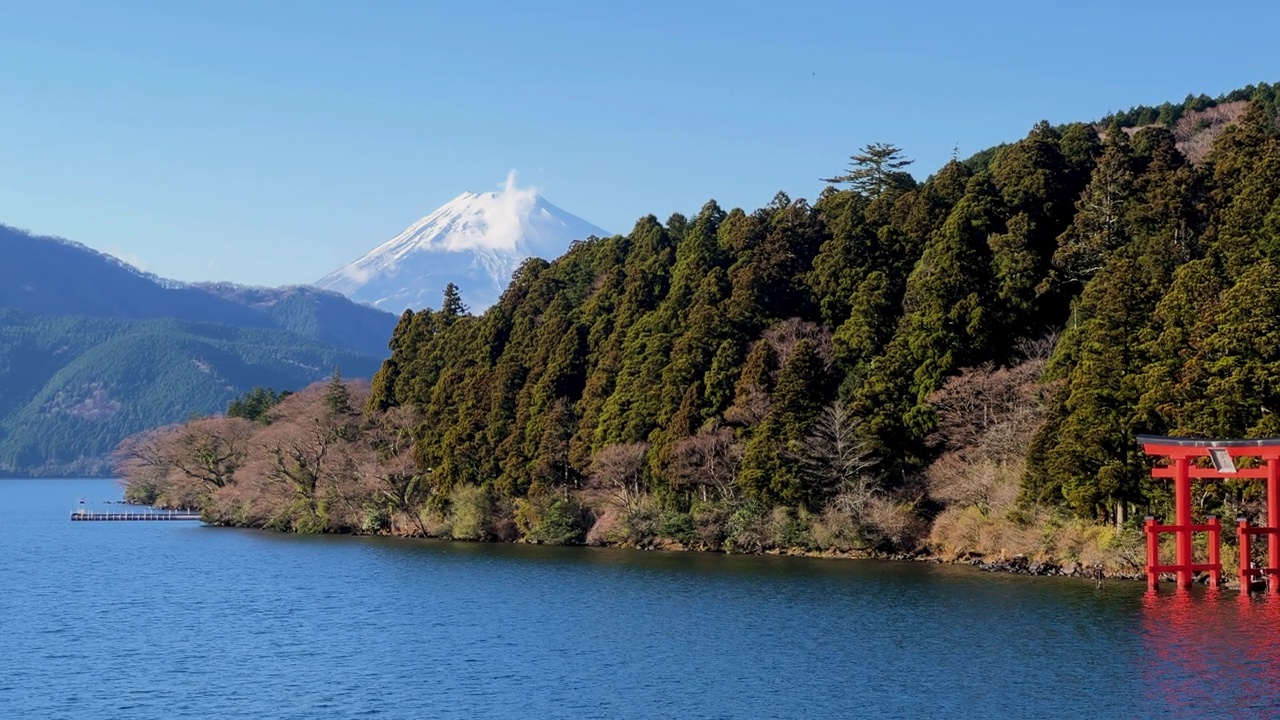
[271, 142]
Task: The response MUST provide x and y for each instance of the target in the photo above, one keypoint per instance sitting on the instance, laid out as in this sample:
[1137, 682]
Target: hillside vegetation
[93, 350]
[74, 387]
[959, 364]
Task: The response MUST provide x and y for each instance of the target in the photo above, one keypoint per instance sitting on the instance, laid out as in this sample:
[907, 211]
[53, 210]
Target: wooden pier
[88, 516]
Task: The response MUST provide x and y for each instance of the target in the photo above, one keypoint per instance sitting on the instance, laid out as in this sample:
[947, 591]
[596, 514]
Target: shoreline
[1015, 565]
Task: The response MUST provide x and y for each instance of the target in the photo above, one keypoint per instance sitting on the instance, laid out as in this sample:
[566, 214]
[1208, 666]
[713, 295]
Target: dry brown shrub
[891, 522]
[956, 531]
[985, 484]
[1040, 537]
[605, 528]
[835, 530]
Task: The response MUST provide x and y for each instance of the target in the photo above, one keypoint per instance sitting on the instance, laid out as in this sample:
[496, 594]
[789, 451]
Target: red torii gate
[1222, 453]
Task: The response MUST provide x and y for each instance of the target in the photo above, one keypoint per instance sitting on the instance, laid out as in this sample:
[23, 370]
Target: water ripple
[174, 620]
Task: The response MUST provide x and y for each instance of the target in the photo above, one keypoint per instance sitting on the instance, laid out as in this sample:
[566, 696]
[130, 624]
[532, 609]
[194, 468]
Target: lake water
[164, 620]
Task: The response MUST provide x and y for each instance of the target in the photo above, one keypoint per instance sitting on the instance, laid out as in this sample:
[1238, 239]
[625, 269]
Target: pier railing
[149, 516]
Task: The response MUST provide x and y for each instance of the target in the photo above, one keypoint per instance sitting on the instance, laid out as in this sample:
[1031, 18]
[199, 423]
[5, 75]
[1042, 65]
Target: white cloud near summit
[495, 221]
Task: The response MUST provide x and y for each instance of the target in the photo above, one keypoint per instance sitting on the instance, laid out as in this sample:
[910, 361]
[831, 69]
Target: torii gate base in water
[1180, 453]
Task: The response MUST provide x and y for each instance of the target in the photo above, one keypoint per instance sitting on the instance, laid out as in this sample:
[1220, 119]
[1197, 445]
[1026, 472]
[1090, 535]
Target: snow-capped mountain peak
[476, 241]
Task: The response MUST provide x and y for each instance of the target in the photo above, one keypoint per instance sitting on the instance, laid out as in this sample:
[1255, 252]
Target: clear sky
[270, 142]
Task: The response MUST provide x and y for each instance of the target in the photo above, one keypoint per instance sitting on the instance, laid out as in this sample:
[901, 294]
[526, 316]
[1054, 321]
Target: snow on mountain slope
[476, 241]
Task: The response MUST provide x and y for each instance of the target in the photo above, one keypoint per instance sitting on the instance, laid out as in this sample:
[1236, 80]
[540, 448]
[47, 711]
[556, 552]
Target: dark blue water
[163, 620]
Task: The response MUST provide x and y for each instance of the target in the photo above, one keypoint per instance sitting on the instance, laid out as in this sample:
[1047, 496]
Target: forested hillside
[73, 387]
[976, 350]
[93, 349]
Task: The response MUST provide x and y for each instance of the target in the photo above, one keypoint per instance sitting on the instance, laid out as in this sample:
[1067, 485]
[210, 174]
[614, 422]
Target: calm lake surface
[163, 620]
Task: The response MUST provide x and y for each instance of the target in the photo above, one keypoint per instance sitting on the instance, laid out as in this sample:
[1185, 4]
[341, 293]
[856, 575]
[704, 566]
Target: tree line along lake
[179, 619]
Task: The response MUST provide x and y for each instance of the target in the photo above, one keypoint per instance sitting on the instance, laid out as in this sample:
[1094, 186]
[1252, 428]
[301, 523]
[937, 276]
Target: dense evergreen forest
[959, 363]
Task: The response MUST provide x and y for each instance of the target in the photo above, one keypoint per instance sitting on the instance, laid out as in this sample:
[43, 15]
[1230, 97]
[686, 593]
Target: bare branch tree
[784, 336]
[835, 458]
[990, 410]
[986, 418]
[619, 470]
[751, 407]
[185, 464]
[142, 461]
[385, 466]
[210, 450]
[1038, 349]
[709, 461]
[306, 448]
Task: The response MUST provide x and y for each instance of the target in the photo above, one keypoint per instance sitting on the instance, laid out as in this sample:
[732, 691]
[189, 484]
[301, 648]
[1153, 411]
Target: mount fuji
[475, 241]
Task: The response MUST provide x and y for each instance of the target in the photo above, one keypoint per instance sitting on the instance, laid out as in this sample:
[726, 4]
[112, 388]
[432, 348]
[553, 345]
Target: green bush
[309, 523]
[374, 518]
[678, 526]
[469, 513]
[550, 521]
[642, 525]
[746, 531]
[142, 493]
[790, 528]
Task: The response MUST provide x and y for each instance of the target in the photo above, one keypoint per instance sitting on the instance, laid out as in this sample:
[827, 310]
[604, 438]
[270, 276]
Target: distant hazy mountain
[328, 317]
[58, 277]
[476, 241]
[93, 350]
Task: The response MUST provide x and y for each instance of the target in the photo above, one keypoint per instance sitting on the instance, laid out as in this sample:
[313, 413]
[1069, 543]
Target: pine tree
[722, 376]
[877, 169]
[337, 398]
[870, 323]
[254, 404]
[949, 321]
[1091, 455]
[452, 308]
[1100, 225]
[844, 259]
[803, 389]
[771, 470]
[755, 385]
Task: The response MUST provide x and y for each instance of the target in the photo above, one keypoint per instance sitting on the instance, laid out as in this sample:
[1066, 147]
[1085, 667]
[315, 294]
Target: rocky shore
[1022, 565]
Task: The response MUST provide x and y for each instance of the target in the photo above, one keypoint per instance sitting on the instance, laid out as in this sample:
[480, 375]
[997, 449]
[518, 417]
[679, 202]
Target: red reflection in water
[1215, 652]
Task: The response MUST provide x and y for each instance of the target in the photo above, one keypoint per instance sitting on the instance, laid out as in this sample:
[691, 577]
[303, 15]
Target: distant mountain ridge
[59, 277]
[322, 315]
[476, 241]
[93, 349]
